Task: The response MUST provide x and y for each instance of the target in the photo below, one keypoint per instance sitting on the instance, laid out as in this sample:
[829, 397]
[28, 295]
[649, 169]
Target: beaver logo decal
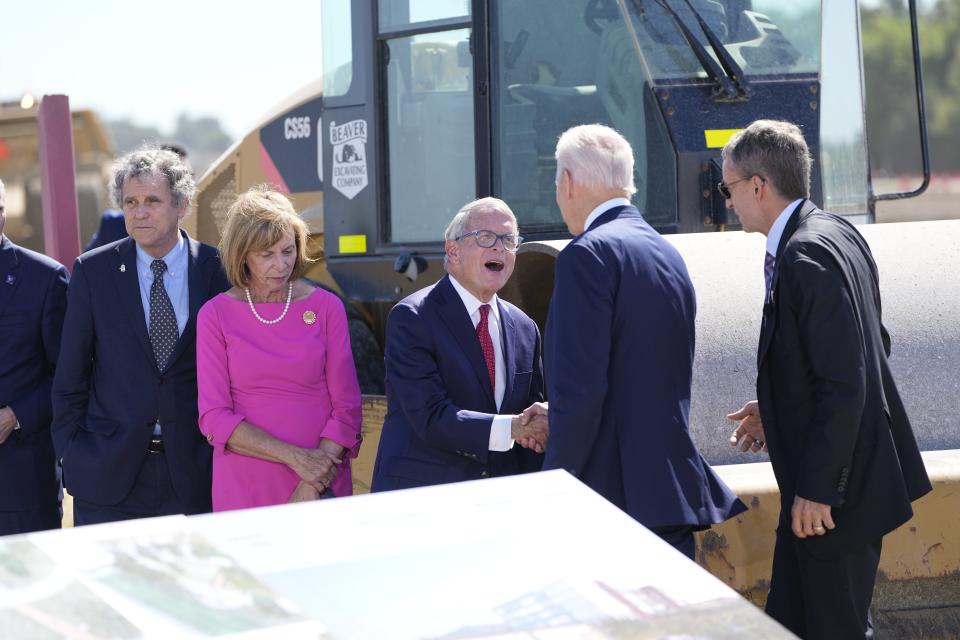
[349, 157]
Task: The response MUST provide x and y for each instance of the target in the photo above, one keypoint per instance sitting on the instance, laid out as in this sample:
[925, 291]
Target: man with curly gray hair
[125, 390]
[112, 226]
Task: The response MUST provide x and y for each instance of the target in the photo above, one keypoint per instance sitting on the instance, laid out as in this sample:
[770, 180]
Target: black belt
[156, 445]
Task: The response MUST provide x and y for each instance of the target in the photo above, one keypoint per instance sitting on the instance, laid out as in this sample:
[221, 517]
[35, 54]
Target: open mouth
[494, 265]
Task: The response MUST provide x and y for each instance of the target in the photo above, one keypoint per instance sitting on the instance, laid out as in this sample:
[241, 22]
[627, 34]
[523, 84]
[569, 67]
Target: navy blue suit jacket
[108, 392]
[33, 299]
[112, 228]
[620, 345]
[440, 403]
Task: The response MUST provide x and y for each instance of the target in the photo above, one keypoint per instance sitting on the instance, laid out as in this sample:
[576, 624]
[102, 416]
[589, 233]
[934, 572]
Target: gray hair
[151, 161]
[596, 156]
[458, 226]
[777, 152]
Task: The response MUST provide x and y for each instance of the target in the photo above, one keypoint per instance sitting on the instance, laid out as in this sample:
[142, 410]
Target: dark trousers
[152, 495]
[822, 597]
[680, 538]
[12, 522]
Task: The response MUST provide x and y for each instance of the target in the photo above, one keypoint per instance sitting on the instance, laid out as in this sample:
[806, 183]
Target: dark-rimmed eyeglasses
[487, 239]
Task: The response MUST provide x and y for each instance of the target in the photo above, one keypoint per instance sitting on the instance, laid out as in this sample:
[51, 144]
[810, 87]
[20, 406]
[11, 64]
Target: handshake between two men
[530, 428]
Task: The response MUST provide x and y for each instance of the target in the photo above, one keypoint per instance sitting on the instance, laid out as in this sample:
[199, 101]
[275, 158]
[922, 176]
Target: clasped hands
[808, 518]
[530, 429]
[8, 420]
[317, 469]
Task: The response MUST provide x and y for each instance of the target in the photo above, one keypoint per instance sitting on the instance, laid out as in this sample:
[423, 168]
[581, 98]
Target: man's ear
[567, 184]
[184, 209]
[452, 248]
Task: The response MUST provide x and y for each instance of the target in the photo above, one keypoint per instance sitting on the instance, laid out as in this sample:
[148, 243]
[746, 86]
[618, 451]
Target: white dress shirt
[603, 207]
[500, 430]
[174, 281]
[776, 229]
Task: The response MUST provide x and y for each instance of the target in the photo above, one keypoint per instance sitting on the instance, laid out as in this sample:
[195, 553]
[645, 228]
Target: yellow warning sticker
[353, 244]
[717, 138]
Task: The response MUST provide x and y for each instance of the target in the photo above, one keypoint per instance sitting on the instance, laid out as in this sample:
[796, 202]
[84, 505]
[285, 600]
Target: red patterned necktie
[483, 333]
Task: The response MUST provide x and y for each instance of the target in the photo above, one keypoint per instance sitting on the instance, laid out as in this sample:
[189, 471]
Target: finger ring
[818, 528]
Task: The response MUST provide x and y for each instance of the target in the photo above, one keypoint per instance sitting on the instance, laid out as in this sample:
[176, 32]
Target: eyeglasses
[724, 188]
[487, 239]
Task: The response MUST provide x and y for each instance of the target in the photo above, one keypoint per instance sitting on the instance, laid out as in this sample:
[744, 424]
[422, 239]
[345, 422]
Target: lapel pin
[309, 317]
[123, 268]
[11, 278]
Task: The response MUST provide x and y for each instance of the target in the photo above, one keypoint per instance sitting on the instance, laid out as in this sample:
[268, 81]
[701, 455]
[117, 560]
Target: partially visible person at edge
[619, 351]
[827, 408]
[33, 300]
[279, 399]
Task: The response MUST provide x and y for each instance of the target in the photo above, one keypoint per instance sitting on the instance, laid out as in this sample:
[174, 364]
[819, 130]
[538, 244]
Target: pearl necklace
[285, 308]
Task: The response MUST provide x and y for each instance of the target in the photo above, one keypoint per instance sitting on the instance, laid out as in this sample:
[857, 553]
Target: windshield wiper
[733, 70]
[729, 78]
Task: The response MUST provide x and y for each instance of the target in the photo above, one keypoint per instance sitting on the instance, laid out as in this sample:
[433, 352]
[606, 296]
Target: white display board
[534, 556]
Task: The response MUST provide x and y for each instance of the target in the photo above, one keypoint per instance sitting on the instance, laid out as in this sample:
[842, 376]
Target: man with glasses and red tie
[461, 365]
[827, 409]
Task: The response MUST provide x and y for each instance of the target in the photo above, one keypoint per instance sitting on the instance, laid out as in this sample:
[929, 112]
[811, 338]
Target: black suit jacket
[834, 422]
[440, 404]
[108, 392]
[33, 299]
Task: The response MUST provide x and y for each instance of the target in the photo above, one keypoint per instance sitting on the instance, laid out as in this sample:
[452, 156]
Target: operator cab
[429, 104]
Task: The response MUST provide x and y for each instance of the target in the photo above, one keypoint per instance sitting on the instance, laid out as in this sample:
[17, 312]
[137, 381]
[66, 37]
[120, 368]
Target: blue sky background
[152, 61]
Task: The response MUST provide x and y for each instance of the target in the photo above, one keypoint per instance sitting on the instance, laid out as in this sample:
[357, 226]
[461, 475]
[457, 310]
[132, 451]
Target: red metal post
[61, 222]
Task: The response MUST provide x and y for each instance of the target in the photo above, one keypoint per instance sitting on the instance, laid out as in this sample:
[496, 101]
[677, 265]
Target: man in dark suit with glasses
[461, 365]
[827, 408]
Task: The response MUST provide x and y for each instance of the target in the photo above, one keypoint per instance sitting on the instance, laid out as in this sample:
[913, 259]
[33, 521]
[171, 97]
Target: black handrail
[921, 113]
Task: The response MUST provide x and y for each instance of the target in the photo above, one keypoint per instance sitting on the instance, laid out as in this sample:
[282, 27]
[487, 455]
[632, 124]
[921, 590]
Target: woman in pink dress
[278, 393]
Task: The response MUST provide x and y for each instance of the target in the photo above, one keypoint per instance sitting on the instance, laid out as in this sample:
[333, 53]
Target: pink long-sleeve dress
[294, 379]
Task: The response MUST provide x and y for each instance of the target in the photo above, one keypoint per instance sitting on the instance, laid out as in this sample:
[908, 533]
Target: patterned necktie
[768, 263]
[163, 321]
[483, 333]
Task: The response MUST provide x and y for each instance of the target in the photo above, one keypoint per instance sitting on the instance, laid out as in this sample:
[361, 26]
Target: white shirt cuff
[500, 439]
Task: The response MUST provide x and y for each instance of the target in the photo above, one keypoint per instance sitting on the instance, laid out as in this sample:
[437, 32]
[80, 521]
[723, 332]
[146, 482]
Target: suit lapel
[508, 330]
[454, 315]
[124, 269]
[198, 284]
[9, 273]
[768, 322]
